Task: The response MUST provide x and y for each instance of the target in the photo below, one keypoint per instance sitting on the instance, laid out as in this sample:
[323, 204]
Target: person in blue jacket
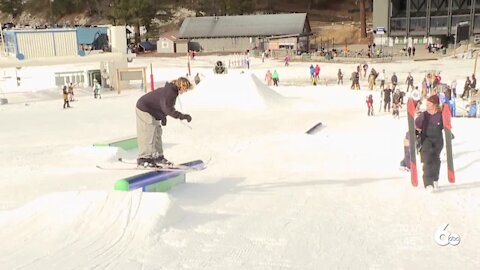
[312, 73]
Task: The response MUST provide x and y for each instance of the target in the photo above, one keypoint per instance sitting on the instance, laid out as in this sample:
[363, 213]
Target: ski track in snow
[273, 197]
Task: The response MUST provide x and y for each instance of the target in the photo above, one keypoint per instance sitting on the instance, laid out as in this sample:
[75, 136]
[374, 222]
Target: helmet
[415, 95]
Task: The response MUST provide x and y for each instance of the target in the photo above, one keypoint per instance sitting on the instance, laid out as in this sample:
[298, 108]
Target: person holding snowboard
[152, 110]
[429, 124]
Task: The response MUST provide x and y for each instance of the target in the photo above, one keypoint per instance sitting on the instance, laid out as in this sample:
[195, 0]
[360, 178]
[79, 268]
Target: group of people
[314, 74]
[272, 78]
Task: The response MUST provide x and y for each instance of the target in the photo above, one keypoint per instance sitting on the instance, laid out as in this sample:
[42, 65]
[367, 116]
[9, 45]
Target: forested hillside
[157, 15]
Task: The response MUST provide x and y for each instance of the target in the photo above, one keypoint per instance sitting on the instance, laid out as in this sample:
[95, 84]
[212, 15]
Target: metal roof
[244, 25]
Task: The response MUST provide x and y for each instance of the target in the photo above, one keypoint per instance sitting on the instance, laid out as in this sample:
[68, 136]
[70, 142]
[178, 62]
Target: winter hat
[434, 99]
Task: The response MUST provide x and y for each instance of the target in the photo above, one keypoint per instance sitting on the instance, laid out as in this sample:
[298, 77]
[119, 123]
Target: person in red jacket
[369, 102]
[317, 73]
[152, 110]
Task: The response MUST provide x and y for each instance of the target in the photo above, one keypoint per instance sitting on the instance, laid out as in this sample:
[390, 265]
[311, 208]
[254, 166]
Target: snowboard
[412, 141]
[447, 129]
[196, 165]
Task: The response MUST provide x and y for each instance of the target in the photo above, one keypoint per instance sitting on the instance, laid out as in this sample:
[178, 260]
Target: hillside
[338, 22]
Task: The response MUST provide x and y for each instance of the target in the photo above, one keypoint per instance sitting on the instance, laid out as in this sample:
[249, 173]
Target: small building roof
[245, 25]
[171, 35]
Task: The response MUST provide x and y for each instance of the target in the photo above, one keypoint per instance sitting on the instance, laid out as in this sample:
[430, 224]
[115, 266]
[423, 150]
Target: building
[169, 43]
[413, 22]
[239, 33]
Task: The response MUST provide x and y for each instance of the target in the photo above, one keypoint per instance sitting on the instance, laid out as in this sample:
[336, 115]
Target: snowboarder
[430, 125]
[340, 76]
[152, 110]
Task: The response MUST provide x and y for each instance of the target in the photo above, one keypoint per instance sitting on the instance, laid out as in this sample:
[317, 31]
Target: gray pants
[149, 135]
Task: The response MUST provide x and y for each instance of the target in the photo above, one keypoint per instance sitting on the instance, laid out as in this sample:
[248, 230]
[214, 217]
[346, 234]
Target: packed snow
[272, 196]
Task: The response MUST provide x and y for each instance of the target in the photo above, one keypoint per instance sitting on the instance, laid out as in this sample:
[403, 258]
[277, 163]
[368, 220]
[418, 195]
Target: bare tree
[363, 19]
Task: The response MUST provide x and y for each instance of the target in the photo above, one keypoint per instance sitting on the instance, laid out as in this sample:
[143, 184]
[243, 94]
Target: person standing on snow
[394, 81]
[369, 102]
[275, 78]
[430, 125]
[409, 81]
[397, 98]
[268, 78]
[312, 74]
[339, 76]
[152, 110]
[387, 92]
[66, 103]
[317, 73]
[97, 89]
[381, 78]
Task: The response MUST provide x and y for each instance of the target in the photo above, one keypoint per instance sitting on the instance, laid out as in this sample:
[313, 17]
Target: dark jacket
[160, 102]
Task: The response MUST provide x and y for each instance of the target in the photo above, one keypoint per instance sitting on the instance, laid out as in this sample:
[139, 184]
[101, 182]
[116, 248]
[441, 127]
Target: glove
[185, 117]
[163, 121]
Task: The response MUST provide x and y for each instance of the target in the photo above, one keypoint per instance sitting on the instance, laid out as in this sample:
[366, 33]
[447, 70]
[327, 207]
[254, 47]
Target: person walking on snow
[340, 76]
[429, 124]
[317, 73]
[268, 78]
[70, 92]
[397, 98]
[381, 78]
[387, 92]
[394, 81]
[97, 89]
[287, 60]
[152, 110]
[312, 74]
[66, 103]
[275, 78]
[409, 81]
[369, 102]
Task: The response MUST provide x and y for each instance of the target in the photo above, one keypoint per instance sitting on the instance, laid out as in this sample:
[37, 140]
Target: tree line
[142, 12]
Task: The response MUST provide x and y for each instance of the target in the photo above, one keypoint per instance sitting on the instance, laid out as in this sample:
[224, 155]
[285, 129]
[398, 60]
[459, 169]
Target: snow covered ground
[272, 197]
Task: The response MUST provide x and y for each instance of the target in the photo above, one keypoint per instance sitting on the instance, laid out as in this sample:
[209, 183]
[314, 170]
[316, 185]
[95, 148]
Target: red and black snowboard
[447, 128]
[411, 109]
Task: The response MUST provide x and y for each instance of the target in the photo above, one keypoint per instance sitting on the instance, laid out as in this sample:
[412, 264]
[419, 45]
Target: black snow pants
[431, 147]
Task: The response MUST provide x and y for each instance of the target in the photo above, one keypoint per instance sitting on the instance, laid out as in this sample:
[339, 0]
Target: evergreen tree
[12, 7]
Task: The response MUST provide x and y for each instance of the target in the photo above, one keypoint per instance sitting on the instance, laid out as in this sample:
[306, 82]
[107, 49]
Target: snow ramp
[83, 230]
[232, 91]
